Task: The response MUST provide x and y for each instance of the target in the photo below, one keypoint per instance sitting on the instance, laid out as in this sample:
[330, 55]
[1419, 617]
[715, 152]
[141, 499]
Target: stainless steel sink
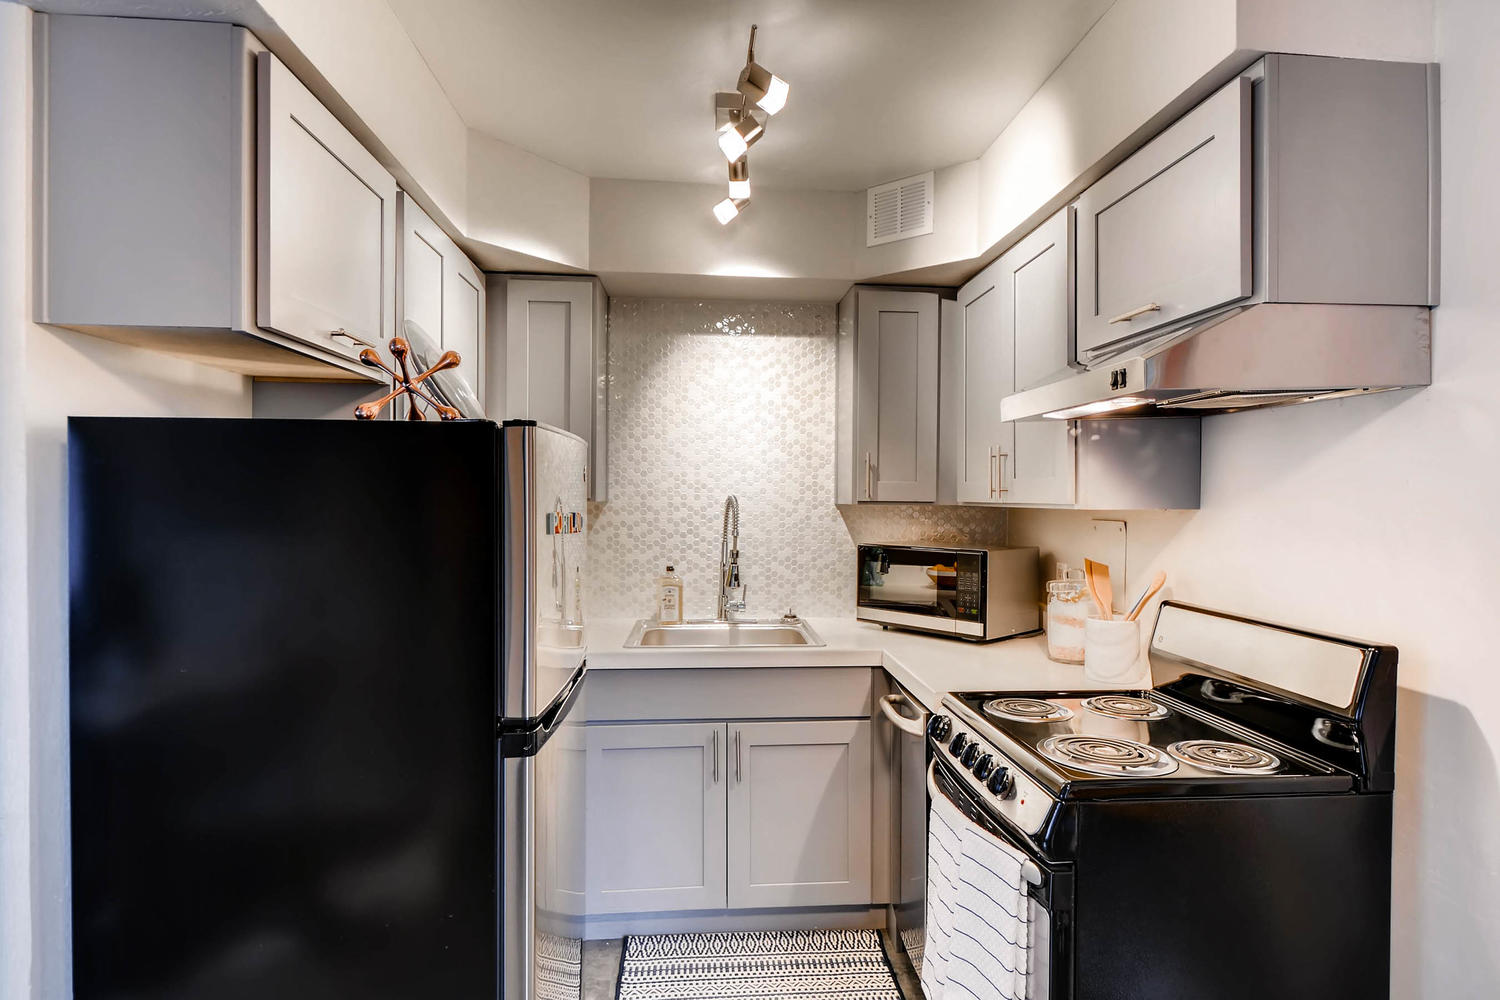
[723, 635]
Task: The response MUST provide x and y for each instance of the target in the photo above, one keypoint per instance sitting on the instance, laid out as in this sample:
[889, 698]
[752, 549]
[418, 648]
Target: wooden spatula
[1156, 584]
[1097, 574]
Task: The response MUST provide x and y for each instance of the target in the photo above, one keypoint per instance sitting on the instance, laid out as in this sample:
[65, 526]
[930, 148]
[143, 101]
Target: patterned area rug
[757, 965]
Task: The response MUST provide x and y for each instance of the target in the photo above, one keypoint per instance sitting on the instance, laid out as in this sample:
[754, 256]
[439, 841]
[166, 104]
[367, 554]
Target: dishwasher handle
[908, 725]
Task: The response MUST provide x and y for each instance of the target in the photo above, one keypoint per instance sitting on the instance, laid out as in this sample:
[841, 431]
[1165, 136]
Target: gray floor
[601, 969]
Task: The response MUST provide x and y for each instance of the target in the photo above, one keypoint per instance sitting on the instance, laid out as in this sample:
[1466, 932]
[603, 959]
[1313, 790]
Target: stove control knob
[1001, 783]
[984, 767]
[971, 754]
[959, 742]
[940, 727]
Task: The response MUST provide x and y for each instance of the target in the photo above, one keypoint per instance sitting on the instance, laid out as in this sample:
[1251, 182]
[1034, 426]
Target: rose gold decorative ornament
[405, 384]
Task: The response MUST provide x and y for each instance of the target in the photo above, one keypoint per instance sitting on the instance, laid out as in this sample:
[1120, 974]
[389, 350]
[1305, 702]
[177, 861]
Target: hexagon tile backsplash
[712, 398]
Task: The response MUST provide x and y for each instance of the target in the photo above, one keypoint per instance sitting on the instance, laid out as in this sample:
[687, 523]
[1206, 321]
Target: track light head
[727, 209]
[739, 179]
[742, 132]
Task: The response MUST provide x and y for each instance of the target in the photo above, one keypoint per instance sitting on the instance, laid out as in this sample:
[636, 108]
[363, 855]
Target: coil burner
[1107, 755]
[1124, 706]
[1225, 757]
[1027, 710]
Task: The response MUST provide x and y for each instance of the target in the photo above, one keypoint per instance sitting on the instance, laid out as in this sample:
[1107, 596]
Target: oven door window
[942, 584]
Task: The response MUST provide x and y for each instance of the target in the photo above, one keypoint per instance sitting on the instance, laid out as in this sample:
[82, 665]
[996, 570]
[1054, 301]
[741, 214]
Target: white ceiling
[623, 88]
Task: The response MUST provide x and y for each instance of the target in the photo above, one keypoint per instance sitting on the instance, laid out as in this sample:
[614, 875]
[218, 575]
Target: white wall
[50, 374]
[526, 204]
[1377, 517]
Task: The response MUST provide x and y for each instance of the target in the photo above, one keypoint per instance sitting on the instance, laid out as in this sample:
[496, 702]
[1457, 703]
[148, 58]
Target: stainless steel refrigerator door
[542, 862]
[544, 530]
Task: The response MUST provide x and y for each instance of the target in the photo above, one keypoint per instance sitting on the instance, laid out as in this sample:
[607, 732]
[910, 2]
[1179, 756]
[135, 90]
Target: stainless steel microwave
[975, 594]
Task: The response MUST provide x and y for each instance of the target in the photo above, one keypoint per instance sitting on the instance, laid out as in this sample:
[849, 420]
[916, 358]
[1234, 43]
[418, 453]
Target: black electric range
[1225, 833]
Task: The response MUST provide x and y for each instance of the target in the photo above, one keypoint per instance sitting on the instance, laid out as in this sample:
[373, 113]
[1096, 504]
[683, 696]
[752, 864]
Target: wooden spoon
[1099, 587]
[1156, 584]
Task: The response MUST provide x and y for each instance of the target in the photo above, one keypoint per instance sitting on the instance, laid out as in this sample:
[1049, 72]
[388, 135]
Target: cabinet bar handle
[1000, 468]
[737, 777]
[716, 756]
[341, 332]
[993, 462]
[869, 491]
[1126, 317]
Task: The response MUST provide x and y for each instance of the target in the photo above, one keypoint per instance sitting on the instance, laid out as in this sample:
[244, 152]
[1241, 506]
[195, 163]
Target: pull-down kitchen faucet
[731, 590]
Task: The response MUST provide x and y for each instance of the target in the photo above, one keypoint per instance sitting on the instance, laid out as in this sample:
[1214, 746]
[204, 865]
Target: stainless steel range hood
[1268, 354]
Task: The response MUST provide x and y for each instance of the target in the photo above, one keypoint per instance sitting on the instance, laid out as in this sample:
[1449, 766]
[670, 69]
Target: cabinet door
[656, 817]
[549, 353]
[897, 396]
[1167, 233]
[799, 813]
[442, 290]
[985, 372]
[1039, 467]
[326, 214]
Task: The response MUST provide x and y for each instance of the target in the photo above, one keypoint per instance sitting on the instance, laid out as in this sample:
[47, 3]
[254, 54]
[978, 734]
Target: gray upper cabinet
[1036, 300]
[984, 353]
[799, 813]
[147, 152]
[887, 434]
[551, 333]
[1013, 325]
[1167, 234]
[1257, 194]
[441, 291]
[327, 223]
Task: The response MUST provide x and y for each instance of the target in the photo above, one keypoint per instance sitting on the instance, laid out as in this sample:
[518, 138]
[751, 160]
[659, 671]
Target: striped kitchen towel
[945, 828]
[990, 950]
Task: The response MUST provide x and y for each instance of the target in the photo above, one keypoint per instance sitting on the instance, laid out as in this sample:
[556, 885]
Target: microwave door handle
[1029, 870]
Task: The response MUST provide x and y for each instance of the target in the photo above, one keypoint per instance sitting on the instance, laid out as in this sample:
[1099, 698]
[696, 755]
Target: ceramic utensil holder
[1111, 647]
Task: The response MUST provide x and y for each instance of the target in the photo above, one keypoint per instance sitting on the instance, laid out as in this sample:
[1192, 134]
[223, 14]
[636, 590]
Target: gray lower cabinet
[799, 813]
[887, 428]
[656, 817]
[686, 816]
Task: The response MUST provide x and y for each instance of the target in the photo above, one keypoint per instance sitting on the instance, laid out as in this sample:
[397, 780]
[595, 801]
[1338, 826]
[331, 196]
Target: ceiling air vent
[899, 210]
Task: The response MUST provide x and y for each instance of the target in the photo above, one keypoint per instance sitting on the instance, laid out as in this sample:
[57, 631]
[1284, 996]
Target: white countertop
[927, 666]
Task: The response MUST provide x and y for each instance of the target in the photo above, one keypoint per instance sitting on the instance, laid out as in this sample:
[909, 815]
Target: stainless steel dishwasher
[906, 715]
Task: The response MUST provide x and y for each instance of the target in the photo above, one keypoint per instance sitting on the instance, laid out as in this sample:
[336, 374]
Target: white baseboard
[700, 921]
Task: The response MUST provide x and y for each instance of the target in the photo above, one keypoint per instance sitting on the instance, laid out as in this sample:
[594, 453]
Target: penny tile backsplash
[712, 398]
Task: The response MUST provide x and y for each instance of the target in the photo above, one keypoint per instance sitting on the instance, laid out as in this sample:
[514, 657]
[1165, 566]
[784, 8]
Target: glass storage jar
[1068, 606]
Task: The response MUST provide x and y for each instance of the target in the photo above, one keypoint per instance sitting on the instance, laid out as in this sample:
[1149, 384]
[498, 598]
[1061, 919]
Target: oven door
[1049, 891]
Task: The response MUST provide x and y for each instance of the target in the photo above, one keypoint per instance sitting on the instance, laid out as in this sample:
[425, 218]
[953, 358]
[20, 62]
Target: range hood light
[738, 136]
[726, 210]
[1098, 407]
[739, 179]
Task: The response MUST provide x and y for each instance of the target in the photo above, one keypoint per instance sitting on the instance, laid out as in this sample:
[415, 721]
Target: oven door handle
[1029, 870]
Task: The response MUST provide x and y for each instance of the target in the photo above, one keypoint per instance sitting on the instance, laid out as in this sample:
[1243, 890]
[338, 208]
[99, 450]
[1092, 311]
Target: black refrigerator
[324, 677]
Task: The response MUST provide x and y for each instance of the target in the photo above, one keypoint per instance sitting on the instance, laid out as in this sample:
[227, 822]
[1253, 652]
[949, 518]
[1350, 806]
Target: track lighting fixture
[758, 84]
[727, 209]
[740, 115]
[739, 178]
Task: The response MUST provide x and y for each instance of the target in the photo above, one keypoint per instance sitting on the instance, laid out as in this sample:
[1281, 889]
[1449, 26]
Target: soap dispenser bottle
[669, 597]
